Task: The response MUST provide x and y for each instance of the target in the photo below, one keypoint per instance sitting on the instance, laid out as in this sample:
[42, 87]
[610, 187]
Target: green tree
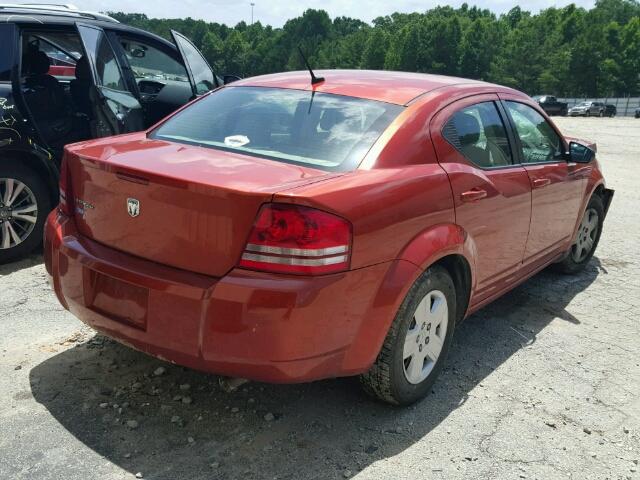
[375, 50]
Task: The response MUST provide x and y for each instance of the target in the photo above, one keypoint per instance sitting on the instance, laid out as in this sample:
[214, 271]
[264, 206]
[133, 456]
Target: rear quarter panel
[387, 207]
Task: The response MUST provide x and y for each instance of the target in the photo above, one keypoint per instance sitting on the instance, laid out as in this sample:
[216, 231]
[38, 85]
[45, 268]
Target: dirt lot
[545, 383]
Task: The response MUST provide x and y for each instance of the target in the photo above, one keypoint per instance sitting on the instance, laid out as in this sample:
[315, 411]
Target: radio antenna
[314, 79]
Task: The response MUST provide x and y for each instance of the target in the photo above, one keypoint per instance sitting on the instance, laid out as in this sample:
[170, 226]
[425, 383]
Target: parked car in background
[288, 231]
[588, 109]
[637, 115]
[68, 75]
[610, 110]
[551, 105]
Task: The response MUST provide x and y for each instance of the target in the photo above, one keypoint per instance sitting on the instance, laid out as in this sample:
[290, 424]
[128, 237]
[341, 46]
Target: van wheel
[587, 239]
[417, 342]
[24, 206]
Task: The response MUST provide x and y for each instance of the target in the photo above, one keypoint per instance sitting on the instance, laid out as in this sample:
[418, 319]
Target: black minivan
[68, 76]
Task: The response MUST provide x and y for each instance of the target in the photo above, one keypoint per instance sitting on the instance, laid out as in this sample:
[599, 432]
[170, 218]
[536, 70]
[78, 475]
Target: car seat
[468, 130]
[81, 86]
[46, 99]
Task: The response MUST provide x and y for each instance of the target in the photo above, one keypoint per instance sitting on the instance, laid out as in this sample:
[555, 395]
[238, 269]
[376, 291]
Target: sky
[277, 12]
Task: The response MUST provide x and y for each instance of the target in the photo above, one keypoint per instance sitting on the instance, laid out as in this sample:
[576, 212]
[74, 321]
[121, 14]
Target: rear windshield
[320, 130]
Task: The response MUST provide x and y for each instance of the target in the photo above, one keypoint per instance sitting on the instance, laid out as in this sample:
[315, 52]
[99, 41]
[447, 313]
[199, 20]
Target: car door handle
[473, 195]
[541, 182]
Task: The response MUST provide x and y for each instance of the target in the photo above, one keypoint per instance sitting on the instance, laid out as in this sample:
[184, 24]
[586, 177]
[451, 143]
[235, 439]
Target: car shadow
[26, 262]
[110, 399]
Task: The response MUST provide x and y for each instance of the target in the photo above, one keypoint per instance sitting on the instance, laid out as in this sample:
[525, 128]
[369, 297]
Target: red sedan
[285, 231]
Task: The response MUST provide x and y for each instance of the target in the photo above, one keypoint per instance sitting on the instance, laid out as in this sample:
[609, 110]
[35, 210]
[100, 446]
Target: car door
[492, 193]
[201, 75]
[155, 72]
[115, 108]
[557, 184]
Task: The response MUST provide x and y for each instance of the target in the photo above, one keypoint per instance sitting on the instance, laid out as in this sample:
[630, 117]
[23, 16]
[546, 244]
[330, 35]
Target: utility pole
[252, 5]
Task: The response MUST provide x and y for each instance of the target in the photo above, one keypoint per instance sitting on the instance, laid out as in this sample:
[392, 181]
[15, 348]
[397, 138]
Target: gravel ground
[542, 384]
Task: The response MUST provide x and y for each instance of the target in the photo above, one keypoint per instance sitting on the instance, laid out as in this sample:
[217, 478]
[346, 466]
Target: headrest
[330, 118]
[467, 128]
[38, 63]
[82, 69]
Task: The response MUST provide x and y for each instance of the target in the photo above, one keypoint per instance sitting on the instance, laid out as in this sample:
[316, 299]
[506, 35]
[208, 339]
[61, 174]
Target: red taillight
[301, 240]
[66, 195]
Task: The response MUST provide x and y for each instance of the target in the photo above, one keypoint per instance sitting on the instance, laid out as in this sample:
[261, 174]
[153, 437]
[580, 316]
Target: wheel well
[460, 272]
[35, 164]
[599, 191]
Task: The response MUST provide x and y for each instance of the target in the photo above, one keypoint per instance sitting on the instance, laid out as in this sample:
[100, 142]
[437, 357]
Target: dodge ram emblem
[133, 207]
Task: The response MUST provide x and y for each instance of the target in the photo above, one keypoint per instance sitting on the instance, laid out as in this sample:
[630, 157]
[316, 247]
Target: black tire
[43, 201]
[570, 265]
[601, 113]
[386, 380]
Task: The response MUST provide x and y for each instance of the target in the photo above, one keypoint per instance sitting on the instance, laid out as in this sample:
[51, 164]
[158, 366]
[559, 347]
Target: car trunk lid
[184, 206]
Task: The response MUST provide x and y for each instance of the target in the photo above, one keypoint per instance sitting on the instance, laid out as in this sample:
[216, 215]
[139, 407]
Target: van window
[6, 54]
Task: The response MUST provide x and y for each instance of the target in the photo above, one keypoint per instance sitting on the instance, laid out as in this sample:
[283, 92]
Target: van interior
[55, 83]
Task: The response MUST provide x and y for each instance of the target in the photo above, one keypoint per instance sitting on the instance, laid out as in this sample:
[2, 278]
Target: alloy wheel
[18, 212]
[425, 337]
[587, 233]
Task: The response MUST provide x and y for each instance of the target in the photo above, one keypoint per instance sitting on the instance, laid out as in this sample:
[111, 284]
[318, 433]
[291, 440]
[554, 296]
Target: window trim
[512, 126]
[507, 130]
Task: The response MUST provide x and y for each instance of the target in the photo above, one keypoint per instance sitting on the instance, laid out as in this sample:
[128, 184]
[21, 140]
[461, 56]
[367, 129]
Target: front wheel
[417, 342]
[24, 205]
[587, 238]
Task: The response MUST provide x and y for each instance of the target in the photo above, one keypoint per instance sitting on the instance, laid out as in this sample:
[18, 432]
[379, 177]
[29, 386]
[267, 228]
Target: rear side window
[538, 140]
[330, 132]
[102, 56]
[6, 53]
[479, 134]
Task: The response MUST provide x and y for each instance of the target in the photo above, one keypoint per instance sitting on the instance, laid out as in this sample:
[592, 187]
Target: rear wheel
[587, 238]
[417, 342]
[24, 205]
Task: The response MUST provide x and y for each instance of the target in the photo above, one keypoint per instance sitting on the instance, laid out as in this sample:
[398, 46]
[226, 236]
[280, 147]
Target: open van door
[201, 75]
[115, 109]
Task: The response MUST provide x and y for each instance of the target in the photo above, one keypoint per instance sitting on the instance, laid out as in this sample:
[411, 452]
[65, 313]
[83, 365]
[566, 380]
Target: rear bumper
[267, 327]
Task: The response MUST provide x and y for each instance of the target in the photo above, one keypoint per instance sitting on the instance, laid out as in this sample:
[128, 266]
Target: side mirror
[227, 79]
[580, 153]
[138, 53]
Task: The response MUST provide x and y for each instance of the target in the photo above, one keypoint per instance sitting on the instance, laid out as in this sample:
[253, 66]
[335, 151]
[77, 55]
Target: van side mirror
[227, 79]
[580, 153]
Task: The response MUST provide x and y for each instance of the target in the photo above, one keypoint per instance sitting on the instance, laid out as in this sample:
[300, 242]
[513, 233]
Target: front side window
[149, 62]
[203, 77]
[6, 55]
[102, 56]
[538, 140]
[321, 130]
[479, 134]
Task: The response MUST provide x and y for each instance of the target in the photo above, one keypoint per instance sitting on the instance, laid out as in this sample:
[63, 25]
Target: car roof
[64, 20]
[385, 86]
